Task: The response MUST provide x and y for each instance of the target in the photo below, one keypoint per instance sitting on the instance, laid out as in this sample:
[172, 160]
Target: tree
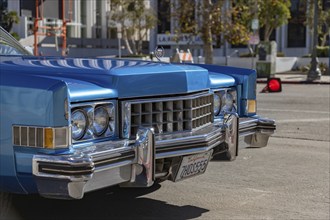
[273, 14]
[210, 19]
[136, 20]
[324, 27]
[323, 21]
[8, 18]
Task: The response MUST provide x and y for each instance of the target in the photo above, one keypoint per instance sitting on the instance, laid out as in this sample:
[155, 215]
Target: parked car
[73, 125]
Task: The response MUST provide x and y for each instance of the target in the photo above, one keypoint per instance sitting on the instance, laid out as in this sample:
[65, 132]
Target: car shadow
[109, 203]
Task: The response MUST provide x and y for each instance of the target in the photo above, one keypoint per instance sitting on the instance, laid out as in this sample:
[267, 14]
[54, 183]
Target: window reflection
[296, 27]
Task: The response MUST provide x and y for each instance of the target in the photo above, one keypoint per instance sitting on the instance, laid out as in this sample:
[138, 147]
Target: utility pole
[314, 72]
[329, 55]
[327, 7]
[36, 29]
[49, 30]
[119, 36]
[63, 34]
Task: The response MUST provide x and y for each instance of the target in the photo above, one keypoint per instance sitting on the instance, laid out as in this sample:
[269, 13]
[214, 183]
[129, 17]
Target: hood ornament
[159, 53]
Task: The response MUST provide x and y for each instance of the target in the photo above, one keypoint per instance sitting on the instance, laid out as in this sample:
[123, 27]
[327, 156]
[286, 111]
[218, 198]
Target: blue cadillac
[70, 126]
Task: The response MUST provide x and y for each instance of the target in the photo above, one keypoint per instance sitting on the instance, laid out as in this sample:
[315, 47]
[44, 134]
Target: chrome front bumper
[132, 163]
[255, 132]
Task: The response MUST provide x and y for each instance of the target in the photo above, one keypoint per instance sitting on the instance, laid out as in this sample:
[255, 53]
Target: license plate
[193, 165]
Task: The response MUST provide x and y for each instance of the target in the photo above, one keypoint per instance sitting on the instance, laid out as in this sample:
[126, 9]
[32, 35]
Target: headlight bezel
[89, 108]
[98, 121]
[228, 102]
[83, 131]
[216, 107]
[224, 94]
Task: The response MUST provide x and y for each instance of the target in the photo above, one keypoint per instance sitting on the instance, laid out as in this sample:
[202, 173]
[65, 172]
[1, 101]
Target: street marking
[259, 190]
[298, 111]
[303, 120]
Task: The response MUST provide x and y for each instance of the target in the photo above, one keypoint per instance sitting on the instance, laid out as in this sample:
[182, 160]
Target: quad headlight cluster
[224, 102]
[92, 121]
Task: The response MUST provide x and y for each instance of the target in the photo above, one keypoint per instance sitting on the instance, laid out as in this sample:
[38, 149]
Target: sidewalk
[294, 77]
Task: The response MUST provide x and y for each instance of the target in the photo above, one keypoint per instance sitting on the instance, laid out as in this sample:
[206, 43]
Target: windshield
[9, 45]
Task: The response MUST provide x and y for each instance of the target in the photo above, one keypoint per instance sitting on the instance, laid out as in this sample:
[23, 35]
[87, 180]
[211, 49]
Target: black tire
[5, 204]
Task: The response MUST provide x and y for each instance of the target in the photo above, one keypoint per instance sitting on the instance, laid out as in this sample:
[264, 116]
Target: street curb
[296, 82]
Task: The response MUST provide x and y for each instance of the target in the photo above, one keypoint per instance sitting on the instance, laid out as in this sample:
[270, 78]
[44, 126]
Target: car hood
[108, 78]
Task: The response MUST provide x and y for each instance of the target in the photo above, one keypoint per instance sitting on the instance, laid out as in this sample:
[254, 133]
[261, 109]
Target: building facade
[91, 19]
[88, 18]
[293, 39]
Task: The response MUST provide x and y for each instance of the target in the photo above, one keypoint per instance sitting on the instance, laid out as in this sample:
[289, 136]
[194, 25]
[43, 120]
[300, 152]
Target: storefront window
[296, 27]
[164, 16]
[3, 5]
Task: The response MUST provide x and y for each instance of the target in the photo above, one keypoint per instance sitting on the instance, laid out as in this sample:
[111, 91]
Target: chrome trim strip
[121, 158]
[186, 151]
[247, 125]
[172, 98]
[114, 165]
[186, 143]
[255, 132]
[66, 172]
[204, 134]
[189, 145]
[92, 104]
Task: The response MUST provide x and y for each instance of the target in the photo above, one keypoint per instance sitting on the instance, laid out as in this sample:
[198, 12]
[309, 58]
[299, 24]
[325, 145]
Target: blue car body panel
[26, 100]
[126, 76]
[123, 79]
[244, 77]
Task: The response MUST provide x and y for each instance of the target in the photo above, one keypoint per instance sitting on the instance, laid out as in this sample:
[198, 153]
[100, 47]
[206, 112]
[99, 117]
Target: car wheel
[5, 204]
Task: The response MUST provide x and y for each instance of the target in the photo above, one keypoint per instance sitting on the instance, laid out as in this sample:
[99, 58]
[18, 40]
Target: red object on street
[273, 85]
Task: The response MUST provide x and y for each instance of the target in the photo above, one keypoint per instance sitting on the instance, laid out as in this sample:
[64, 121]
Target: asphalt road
[289, 179]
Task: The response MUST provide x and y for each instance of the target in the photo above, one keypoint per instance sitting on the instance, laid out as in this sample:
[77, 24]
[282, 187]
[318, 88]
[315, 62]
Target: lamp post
[119, 36]
[314, 72]
[254, 39]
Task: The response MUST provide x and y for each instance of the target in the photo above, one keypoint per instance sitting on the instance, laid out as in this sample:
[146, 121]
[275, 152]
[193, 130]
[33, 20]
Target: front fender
[31, 101]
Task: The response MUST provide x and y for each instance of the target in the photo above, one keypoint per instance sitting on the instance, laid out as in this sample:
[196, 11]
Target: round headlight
[228, 102]
[79, 124]
[216, 104]
[101, 121]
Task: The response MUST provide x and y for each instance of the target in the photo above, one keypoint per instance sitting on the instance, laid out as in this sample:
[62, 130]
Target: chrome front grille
[167, 115]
